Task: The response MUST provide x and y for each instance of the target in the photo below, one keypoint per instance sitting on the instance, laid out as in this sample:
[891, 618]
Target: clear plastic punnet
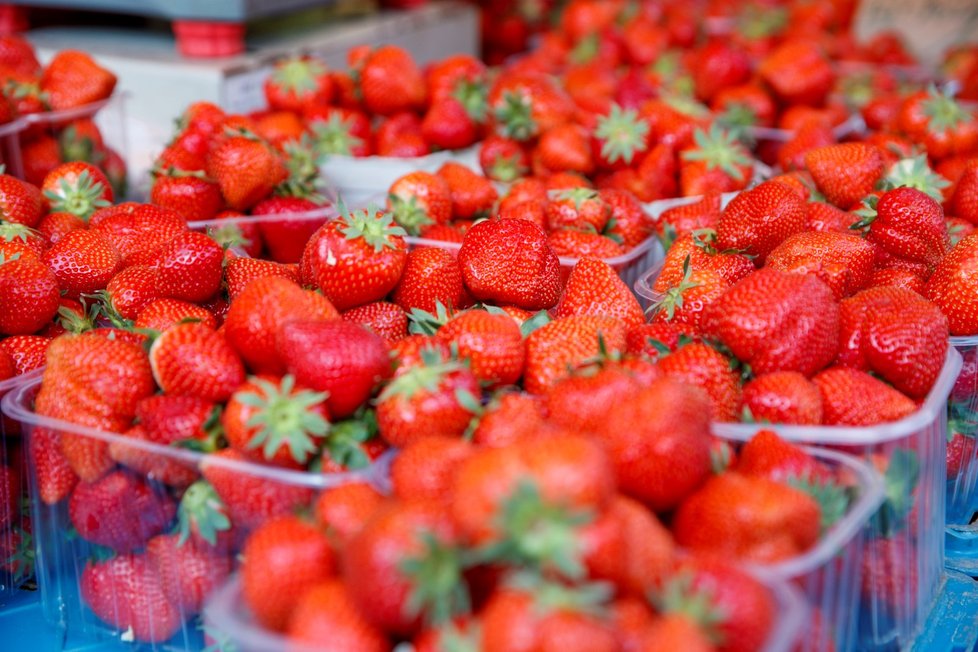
[962, 470]
[110, 564]
[228, 621]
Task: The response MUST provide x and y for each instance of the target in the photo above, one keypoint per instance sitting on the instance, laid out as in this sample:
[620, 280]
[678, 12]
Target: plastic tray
[62, 554]
[893, 612]
[227, 618]
[962, 501]
[236, 228]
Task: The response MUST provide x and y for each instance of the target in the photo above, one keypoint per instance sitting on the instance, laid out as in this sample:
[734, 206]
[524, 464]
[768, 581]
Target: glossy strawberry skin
[29, 293]
[190, 268]
[83, 261]
[194, 360]
[758, 220]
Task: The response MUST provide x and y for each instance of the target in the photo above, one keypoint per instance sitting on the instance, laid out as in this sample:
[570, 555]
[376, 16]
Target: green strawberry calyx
[592, 598]
[422, 322]
[506, 168]
[679, 597]
[377, 228]
[409, 213]
[673, 297]
[622, 134]
[298, 75]
[426, 377]
[867, 213]
[577, 196]
[718, 148]
[900, 482]
[916, 173]
[302, 163]
[514, 116]
[284, 416]
[438, 589]
[201, 509]
[738, 119]
[11, 231]
[944, 113]
[833, 500]
[334, 135]
[344, 444]
[228, 236]
[473, 96]
[80, 197]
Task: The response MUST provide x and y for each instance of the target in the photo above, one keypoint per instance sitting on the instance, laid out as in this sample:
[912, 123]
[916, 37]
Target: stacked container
[962, 473]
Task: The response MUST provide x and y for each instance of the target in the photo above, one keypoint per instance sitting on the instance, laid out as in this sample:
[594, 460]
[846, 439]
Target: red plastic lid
[201, 39]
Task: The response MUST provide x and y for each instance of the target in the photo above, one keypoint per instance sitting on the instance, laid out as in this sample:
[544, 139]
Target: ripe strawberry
[854, 398]
[758, 220]
[246, 168]
[472, 194]
[325, 616]
[844, 262]
[163, 314]
[951, 287]
[700, 248]
[827, 218]
[577, 208]
[127, 593]
[703, 366]
[29, 293]
[581, 400]
[503, 159]
[285, 239]
[798, 72]
[17, 239]
[510, 262]
[20, 202]
[77, 188]
[685, 302]
[564, 148]
[344, 510]
[418, 199]
[580, 244]
[619, 139]
[17, 55]
[964, 201]
[889, 570]
[121, 511]
[814, 135]
[400, 136]
[783, 397]
[431, 276]
[716, 163]
[283, 558]
[195, 360]
[452, 122]
[131, 289]
[775, 321]
[26, 351]
[338, 130]
[425, 469]
[557, 348]
[629, 221]
[138, 231]
[675, 631]
[938, 121]
[390, 81]
[55, 477]
[527, 104]
[845, 173]
[383, 318]
[260, 310]
[766, 455]
[72, 79]
[297, 83]
[653, 340]
[343, 360]
[355, 259]
[188, 193]
[686, 218]
[432, 399]
[83, 261]
[490, 342]
[908, 224]
[250, 500]
[189, 267]
[509, 418]
[239, 272]
[594, 288]
[189, 572]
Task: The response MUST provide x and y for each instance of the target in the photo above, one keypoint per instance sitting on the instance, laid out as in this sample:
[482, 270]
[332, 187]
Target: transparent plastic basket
[962, 500]
[228, 621]
[62, 554]
[904, 550]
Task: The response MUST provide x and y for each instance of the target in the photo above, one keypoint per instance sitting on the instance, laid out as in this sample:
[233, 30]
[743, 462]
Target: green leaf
[538, 320]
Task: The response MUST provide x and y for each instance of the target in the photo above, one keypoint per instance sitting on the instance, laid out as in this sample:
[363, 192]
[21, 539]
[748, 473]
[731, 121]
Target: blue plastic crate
[953, 623]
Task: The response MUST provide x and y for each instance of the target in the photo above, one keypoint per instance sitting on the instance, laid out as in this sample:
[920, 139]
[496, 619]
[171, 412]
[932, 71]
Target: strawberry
[343, 360]
[675, 631]
[580, 244]
[29, 293]
[783, 397]
[700, 248]
[685, 302]
[703, 366]
[845, 173]
[772, 522]
[260, 310]
[194, 360]
[250, 500]
[901, 278]
[775, 321]
[400, 136]
[582, 399]
[629, 221]
[297, 83]
[270, 419]
[20, 202]
[490, 342]
[189, 267]
[813, 135]
[83, 261]
[758, 220]
[577, 208]
[594, 288]
[239, 272]
[337, 130]
[285, 239]
[716, 162]
[565, 147]
[510, 262]
[246, 169]
[355, 259]
[26, 351]
[964, 201]
[556, 349]
[620, 138]
[431, 276]
[889, 573]
[131, 289]
[17, 239]
[127, 593]
[876, 336]
[163, 314]
[425, 469]
[325, 616]
[138, 231]
[798, 72]
[418, 199]
[189, 572]
[72, 79]
[842, 261]
[55, 477]
[345, 509]
[188, 193]
[766, 455]
[952, 290]
[854, 398]
[937, 120]
[826, 217]
[283, 558]
[121, 511]
[77, 188]
[17, 54]
[503, 159]
[383, 318]
[452, 123]
[390, 82]
[509, 418]
[434, 399]
[525, 105]
[653, 340]
[472, 194]
[908, 224]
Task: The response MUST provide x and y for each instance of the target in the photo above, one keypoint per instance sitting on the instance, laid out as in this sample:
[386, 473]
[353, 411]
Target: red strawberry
[20, 202]
[189, 572]
[798, 72]
[194, 360]
[845, 173]
[188, 193]
[29, 293]
[580, 244]
[577, 208]
[297, 83]
[190, 267]
[620, 138]
[629, 221]
[452, 123]
[325, 616]
[246, 168]
[72, 79]
[390, 81]
[345, 509]
[703, 366]
[83, 261]
[510, 262]
[769, 456]
[758, 220]
[472, 194]
[564, 148]
[285, 239]
[783, 397]
[814, 135]
[121, 511]
[162, 314]
[77, 188]
[131, 289]
[594, 288]
[138, 231]
[685, 302]
[239, 272]
[653, 340]
[556, 349]
[337, 130]
[716, 163]
[418, 199]
[491, 343]
[344, 360]
[938, 121]
[775, 321]
[431, 276]
[385, 319]
[686, 218]
[842, 261]
[964, 201]
[503, 159]
[826, 217]
[952, 288]
[582, 400]
[854, 398]
[127, 593]
[26, 351]
[907, 224]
